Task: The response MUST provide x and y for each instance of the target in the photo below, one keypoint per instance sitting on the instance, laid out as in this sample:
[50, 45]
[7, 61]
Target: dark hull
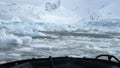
[62, 62]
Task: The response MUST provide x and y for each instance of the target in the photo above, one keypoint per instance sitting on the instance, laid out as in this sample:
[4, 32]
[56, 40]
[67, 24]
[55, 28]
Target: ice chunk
[30, 33]
[26, 39]
[10, 40]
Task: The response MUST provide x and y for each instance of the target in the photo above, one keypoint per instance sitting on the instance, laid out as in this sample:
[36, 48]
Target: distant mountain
[58, 11]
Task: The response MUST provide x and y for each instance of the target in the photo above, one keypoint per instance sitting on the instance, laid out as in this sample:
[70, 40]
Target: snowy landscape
[43, 28]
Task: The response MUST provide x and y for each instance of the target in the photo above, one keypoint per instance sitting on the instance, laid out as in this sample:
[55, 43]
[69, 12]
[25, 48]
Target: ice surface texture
[42, 28]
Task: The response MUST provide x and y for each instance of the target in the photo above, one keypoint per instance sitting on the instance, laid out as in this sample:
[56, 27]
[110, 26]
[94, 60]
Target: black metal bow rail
[65, 62]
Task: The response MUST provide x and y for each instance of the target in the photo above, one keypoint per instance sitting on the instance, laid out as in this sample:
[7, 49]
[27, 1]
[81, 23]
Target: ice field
[58, 28]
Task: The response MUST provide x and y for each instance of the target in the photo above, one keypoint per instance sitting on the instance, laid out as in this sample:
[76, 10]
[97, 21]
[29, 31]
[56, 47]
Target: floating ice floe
[31, 33]
[27, 49]
[10, 40]
[26, 39]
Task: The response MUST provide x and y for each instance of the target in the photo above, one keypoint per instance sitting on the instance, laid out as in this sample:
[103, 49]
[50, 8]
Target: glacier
[44, 28]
